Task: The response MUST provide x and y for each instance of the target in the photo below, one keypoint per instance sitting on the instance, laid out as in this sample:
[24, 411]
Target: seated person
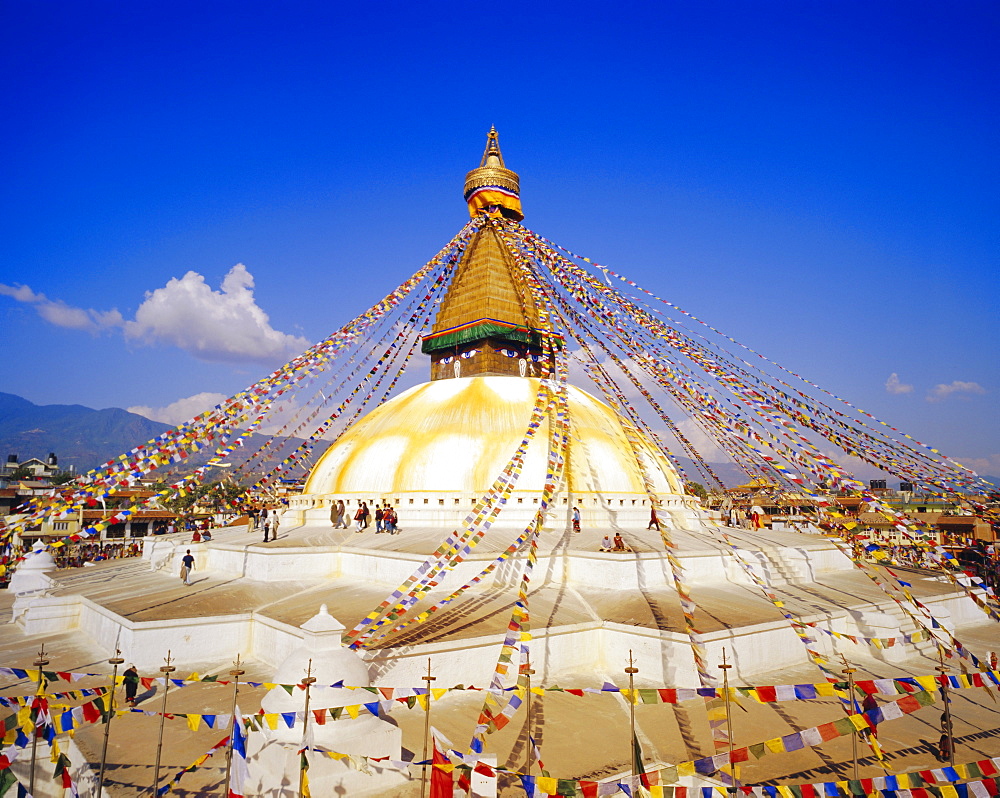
[606, 543]
[206, 535]
[620, 543]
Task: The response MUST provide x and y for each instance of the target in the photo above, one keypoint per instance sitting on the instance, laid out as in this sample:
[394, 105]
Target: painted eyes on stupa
[465, 356]
[509, 352]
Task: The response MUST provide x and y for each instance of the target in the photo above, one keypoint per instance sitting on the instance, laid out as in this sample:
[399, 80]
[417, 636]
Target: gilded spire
[492, 150]
[492, 188]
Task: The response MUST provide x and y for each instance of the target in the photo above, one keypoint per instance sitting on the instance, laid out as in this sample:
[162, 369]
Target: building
[32, 468]
[681, 600]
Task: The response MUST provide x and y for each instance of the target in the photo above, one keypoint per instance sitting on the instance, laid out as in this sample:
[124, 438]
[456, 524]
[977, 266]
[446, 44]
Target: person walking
[267, 528]
[379, 515]
[131, 681]
[187, 566]
[653, 519]
[391, 519]
[334, 518]
[341, 516]
[361, 517]
[576, 519]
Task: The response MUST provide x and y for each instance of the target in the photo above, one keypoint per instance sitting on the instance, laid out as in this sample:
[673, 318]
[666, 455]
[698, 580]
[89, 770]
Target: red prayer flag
[988, 768]
[91, 713]
[441, 779]
[827, 731]
[767, 694]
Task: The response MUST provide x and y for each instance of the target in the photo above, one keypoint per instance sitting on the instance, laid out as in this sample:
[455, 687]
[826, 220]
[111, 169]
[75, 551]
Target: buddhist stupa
[670, 606]
[434, 450]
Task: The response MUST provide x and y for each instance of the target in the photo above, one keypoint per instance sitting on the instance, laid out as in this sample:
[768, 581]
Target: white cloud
[223, 326]
[893, 385]
[57, 312]
[989, 465]
[941, 391]
[181, 410]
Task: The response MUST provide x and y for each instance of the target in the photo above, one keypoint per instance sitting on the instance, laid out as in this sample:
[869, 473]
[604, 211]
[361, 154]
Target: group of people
[262, 519]
[76, 556]
[617, 543]
[983, 560]
[386, 519]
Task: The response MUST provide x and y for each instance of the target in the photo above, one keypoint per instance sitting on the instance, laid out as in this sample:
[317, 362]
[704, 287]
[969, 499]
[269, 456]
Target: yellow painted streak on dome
[457, 435]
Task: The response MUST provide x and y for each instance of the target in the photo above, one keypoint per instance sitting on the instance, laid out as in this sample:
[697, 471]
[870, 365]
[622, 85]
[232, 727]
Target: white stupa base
[274, 773]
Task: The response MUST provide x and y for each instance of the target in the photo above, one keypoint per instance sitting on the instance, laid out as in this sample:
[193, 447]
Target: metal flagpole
[427, 729]
[724, 667]
[849, 673]
[236, 673]
[308, 682]
[39, 663]
[166, 670]
[631, 670]
[528, 672]
[947, 708]
[115, 661]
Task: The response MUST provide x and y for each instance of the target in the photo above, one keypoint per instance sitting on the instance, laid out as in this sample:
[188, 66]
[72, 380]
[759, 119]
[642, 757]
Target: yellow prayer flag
[547, 785]
[437, 692]
[194, 721]
[775, 746]
[354, 710]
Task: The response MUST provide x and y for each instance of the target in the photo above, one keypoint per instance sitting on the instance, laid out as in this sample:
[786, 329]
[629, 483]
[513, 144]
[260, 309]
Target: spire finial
[492, 149]
[493, 188]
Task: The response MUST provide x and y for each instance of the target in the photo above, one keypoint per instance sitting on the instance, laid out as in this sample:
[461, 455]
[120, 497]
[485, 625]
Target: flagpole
[947, 708]
[724, 667]
[236, 673]
[631, 670]
[39, 663]
[427, 730]
[527, 671]
[115, 661]
[308, 682]
[849, 672]
[166, 670]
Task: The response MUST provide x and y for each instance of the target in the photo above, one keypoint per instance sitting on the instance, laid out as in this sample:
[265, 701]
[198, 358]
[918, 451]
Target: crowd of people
[76, 555]
[386, 519]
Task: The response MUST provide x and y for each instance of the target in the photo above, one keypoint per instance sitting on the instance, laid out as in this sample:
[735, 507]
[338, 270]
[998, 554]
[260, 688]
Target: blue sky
[819, 181]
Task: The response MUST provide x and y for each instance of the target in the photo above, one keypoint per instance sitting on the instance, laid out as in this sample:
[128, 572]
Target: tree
[696, 489]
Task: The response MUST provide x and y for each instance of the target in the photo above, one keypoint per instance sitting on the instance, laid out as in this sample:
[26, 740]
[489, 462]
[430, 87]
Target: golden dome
[455, 436]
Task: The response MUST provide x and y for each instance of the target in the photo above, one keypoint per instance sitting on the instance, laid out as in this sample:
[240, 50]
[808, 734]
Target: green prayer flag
[7, 780]
[637, 767]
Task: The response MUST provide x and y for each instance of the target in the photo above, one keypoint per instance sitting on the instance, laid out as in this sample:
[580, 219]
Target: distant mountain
[80, 436]
[86, 438]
